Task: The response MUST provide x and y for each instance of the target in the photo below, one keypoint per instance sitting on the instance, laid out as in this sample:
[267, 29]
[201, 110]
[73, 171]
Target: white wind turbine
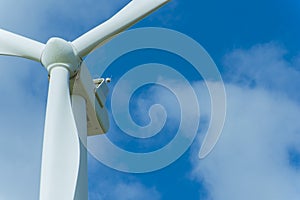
[75, 106]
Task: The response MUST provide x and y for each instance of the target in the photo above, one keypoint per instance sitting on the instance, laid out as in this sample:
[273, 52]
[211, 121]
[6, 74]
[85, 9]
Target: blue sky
[255, 45]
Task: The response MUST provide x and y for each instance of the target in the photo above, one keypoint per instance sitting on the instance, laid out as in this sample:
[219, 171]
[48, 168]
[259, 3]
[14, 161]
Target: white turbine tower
[75, 106]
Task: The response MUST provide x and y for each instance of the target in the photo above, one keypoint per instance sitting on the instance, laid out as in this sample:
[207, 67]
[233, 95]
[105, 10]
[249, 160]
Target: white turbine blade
[15, 45]
[61, 147]
[129, 15]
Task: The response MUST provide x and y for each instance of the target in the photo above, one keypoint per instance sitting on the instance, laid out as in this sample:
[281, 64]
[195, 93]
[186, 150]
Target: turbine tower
[75, 105]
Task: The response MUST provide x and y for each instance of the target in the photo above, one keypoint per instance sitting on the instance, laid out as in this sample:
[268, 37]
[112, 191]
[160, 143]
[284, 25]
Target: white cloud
[134, 191]
[265, 65]
[252, 159]
[113, 189]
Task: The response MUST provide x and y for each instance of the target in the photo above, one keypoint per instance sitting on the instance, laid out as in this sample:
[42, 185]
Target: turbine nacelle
[95, 94]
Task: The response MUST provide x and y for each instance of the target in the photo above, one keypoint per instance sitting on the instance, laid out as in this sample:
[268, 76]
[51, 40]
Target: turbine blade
[15, 45]
[129, 15]
[61, 147]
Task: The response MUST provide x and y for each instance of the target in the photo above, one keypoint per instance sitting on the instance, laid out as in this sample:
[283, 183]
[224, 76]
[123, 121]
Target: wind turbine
[75, 105]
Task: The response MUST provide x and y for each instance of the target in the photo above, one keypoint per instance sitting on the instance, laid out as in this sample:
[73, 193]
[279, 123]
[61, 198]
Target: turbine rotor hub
[59, 52]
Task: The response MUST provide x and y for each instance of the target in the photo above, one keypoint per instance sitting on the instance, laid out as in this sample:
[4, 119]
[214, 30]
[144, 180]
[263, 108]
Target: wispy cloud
[255, 157]
[125, 191]
[111, 184]
[265, 66]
